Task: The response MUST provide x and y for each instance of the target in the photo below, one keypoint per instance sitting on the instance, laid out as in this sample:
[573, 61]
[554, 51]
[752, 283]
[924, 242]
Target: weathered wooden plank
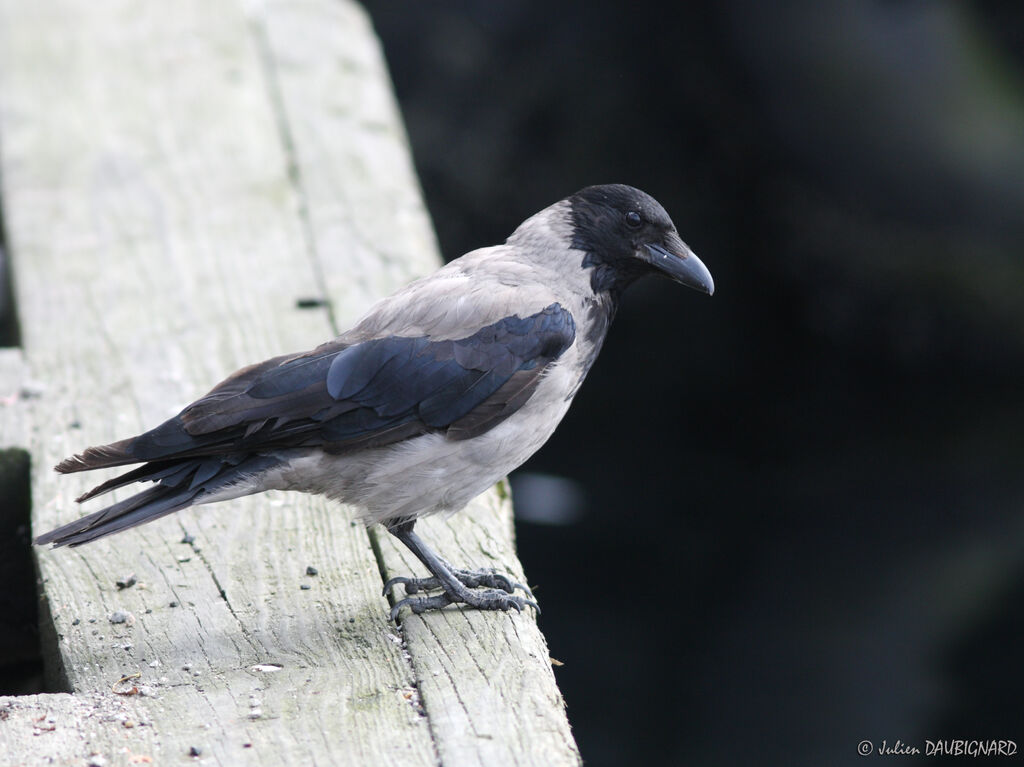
[174, 179]
[486, 684]
[64, 729]
[158, 244]
[15, 388]
[367, 225]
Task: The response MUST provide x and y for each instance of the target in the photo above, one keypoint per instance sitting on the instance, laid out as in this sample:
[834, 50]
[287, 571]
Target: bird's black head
[625, 234]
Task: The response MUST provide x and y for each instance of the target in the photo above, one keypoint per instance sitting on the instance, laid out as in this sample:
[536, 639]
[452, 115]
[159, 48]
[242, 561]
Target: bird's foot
[474, 579]
[488, 599]
[482, 589]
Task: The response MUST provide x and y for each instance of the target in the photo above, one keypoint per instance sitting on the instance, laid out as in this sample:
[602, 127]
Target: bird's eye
[633, 220]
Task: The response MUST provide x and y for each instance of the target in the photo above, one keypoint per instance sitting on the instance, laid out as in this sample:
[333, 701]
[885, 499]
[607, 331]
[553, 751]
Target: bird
[438, 392]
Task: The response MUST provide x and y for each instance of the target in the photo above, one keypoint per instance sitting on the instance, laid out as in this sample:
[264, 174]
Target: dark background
[787, 518]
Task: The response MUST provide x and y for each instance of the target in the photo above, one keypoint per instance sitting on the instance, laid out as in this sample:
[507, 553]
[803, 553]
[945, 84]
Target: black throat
[611, 277]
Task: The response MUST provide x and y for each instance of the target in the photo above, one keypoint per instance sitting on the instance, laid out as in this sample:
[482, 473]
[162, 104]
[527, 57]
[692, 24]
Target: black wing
[342, 397]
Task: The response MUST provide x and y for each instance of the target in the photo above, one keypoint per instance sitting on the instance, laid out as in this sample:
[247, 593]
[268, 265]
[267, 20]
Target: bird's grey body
[430, 473]
[440, 390]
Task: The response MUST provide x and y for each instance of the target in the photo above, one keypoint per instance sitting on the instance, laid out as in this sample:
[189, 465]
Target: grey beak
[676, 260]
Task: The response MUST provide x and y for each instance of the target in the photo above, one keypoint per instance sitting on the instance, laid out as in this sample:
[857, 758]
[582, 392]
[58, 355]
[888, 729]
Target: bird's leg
[458, 585]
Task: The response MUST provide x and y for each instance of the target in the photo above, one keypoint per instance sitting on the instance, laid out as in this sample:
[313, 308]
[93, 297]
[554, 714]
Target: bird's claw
[411, 585]
[490, 599]
[420, 604]
[473, 579]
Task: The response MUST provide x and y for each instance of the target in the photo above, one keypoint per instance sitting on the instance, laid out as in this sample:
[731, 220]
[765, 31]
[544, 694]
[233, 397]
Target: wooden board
[176, 178]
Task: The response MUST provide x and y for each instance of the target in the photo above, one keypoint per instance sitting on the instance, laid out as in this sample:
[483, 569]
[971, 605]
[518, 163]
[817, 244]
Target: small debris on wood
[186, 538]
[97, 761]
[266, 667]
[183, 560]
[118, 687]
[76, 621]
[310, 570]
[412, 697]
[127, 582]
[310, 302]
[305, 587]
[172, 604]
[31, 390]
[44, 724]
[555, 662]
[122, 616]
[195, 751]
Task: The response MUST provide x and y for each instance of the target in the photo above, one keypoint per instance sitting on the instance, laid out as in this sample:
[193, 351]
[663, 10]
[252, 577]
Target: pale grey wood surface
[175, 176]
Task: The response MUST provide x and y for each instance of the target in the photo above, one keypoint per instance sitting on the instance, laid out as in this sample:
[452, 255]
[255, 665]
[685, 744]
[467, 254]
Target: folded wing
[342, 397]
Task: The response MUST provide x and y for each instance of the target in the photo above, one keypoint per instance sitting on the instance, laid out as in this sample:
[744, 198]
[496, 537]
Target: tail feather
[143, 507]
[99, 457]
[180, 484]
[154, 471]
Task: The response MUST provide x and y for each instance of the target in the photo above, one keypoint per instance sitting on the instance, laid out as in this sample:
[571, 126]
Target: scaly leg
[458, 585]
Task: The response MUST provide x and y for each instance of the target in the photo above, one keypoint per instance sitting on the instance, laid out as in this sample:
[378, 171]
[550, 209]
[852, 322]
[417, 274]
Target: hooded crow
[439, 391]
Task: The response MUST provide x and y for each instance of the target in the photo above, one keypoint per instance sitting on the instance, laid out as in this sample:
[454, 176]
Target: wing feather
[345, 395]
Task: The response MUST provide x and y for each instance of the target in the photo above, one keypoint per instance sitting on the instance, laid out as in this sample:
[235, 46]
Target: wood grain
[176, 178]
